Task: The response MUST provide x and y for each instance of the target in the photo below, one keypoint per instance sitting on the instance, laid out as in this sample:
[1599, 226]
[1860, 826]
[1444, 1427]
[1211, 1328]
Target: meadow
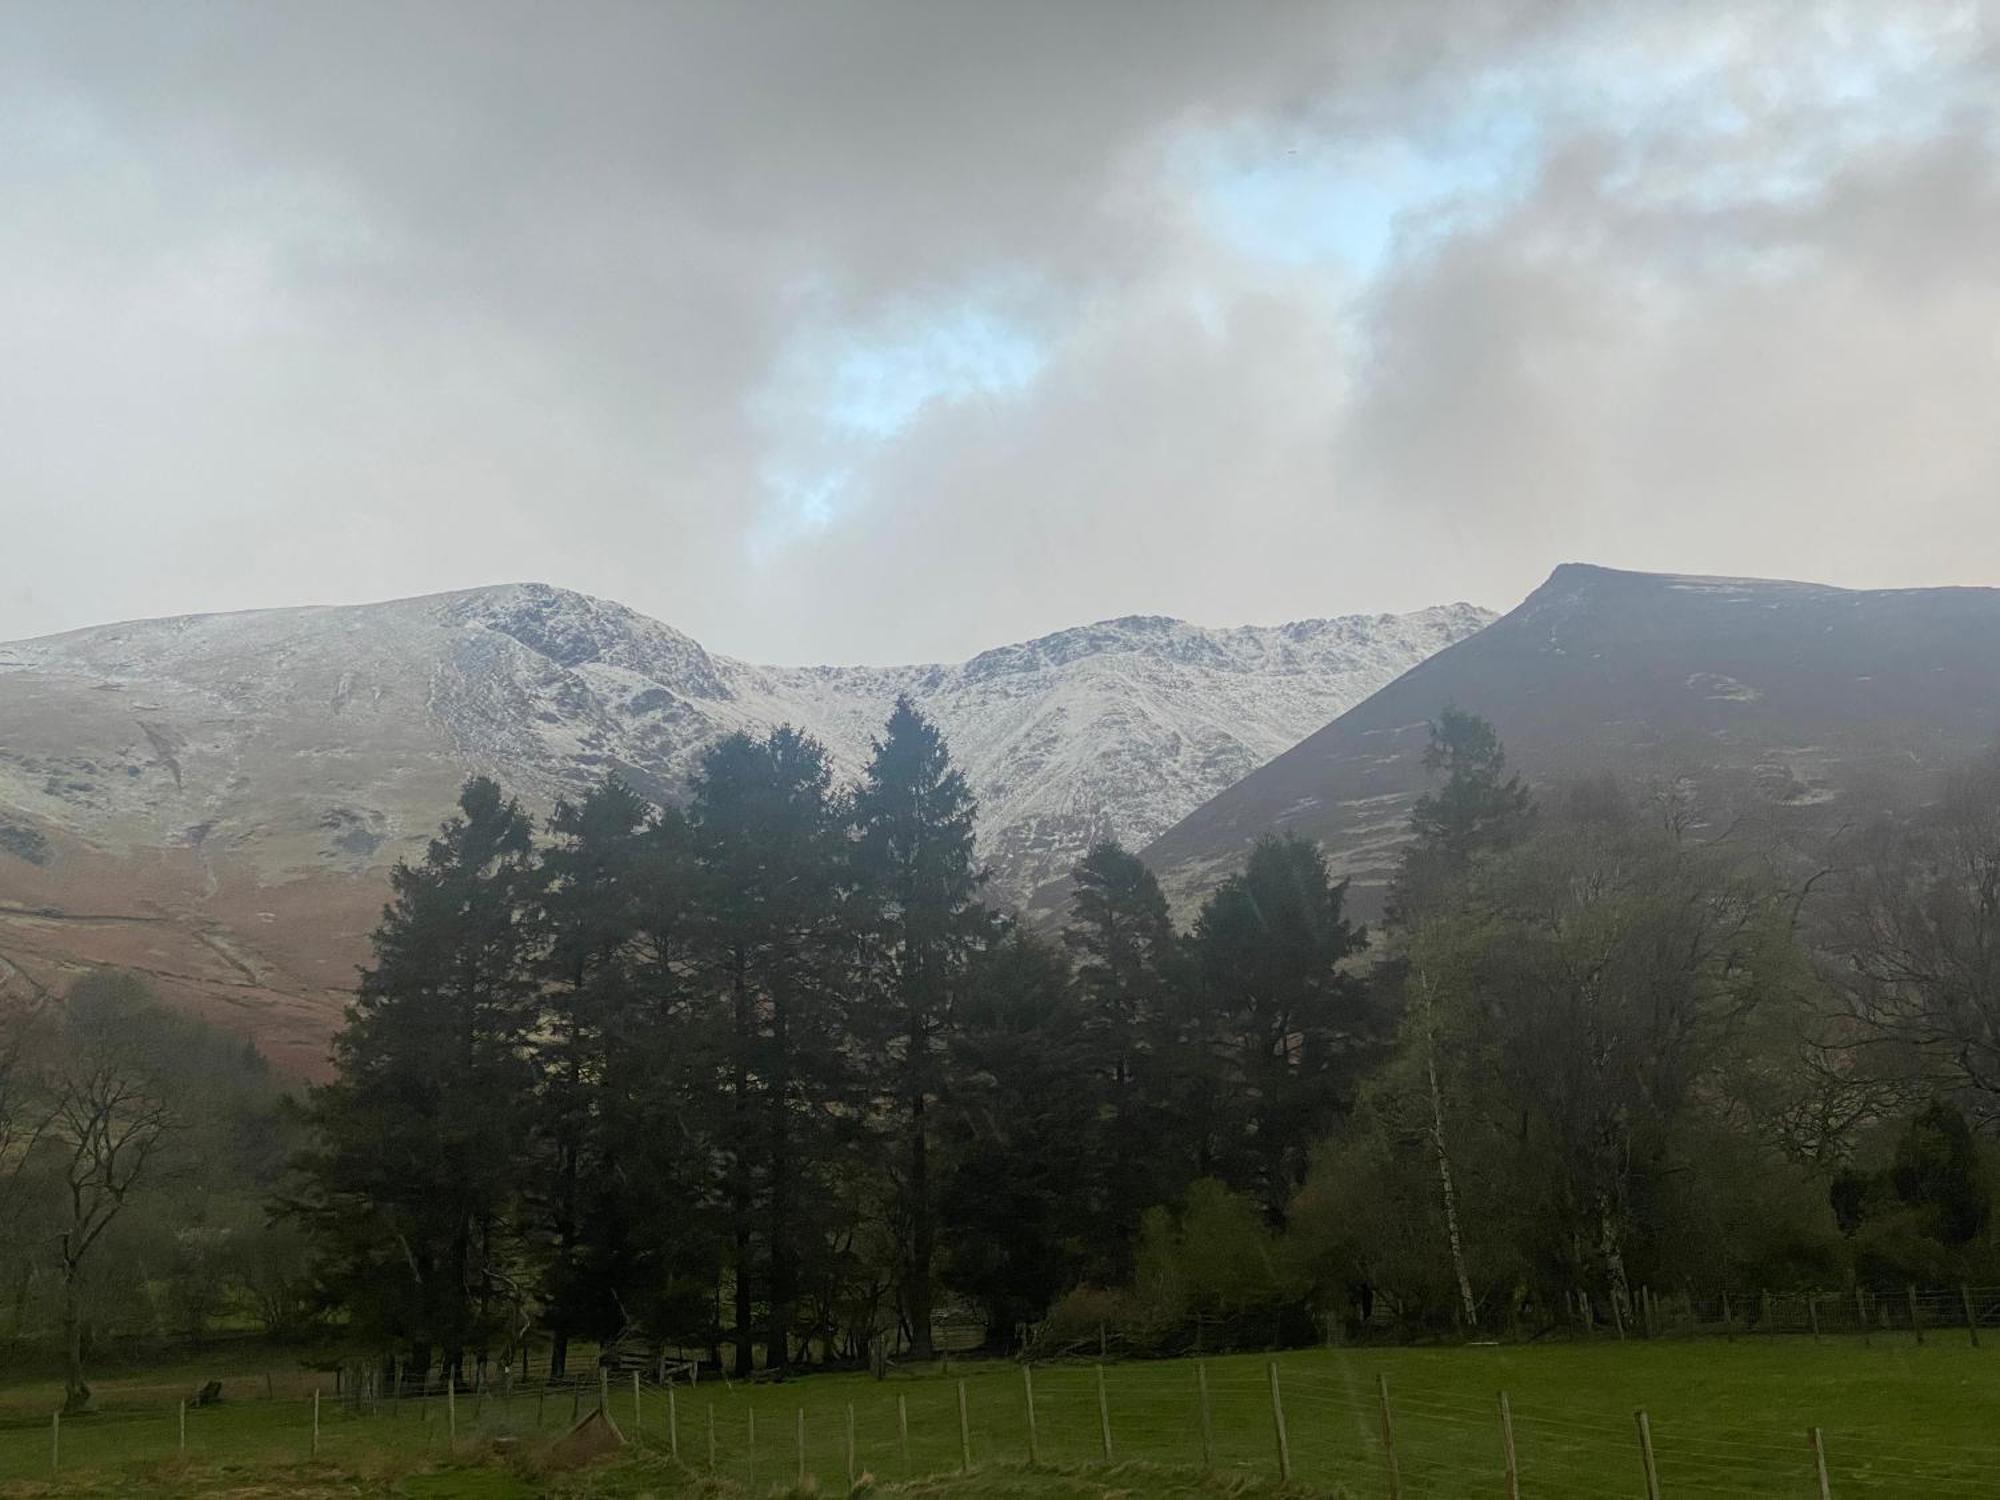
[1726, 1418]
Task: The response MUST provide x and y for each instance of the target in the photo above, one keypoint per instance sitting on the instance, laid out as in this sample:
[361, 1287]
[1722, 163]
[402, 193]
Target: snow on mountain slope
[244, 761]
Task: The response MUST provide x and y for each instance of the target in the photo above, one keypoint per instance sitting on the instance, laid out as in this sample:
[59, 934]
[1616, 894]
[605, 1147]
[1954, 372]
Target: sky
[891, 331]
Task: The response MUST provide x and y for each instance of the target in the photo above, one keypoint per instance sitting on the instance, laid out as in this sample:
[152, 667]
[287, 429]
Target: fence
[1649, 1313]
[1314, 1417]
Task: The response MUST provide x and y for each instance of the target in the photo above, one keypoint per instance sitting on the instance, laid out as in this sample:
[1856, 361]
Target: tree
[1474, 809]
[112, 1104]
[422, 1144]
[588, 900]
[913, 818]
[1289, 1029]
[780, 956]
[1914, 938]
[1126, 953]
[1020, 1124]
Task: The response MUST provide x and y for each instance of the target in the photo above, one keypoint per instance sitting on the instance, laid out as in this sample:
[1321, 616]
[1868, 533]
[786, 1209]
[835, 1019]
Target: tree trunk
[923, 1233]
[1446, 1186]
[1450, 1193]
[76, 1394]
[778, 1345]
[740, 1205]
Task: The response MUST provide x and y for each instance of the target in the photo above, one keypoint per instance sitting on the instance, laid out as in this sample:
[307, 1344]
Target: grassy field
[1727, 1420]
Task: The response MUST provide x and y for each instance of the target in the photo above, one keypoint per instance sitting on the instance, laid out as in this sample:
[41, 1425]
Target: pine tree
[1123, 941]
[771, 838]
[1288, 1026]
[1476, 809]
[914, 820]
[422, 1142]
[1015, 1206]
[589, 906]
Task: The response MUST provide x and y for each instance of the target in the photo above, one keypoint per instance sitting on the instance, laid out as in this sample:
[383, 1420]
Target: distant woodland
[762, 1077]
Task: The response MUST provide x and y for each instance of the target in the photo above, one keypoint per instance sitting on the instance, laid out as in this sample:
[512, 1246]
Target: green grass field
[1727, 1420]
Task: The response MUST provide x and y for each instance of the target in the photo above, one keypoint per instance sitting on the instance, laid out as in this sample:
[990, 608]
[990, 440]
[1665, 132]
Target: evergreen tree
[1290, 1029]
[914, 820]
[780, 958]
[413, 1186]
[1124, 945]
[589, 903]
[1016, 1225]
[1475, 808]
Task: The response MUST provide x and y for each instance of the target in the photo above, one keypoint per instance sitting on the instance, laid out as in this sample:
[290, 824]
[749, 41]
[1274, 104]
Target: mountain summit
[1793, 703]
[215, 798]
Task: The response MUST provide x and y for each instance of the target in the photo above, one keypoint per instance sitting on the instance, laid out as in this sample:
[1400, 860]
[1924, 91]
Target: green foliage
[1286, 1029]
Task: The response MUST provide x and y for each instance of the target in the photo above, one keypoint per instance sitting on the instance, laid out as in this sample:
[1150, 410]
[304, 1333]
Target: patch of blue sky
[1345, 200]
[882, 378]
[844, 392]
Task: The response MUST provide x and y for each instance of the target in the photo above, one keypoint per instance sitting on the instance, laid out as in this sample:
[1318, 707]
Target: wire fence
[1318, 1418]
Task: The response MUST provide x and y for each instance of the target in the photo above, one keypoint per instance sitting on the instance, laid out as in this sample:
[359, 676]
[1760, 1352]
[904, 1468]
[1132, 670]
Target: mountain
[1791, 705]
[215, 799]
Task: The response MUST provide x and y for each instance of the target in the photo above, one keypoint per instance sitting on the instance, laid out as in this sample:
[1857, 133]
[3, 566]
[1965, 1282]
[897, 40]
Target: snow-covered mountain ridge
[213, 728]
[215, 799]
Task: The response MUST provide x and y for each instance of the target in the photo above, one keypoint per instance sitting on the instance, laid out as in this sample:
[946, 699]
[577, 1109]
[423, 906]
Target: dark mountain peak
[1766, 696]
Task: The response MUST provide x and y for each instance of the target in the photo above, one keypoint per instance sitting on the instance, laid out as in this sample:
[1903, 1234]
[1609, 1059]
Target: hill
[215, 799]
[1791, 704]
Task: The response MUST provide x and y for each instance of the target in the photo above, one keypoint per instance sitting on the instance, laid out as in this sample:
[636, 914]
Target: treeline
[762, 1074]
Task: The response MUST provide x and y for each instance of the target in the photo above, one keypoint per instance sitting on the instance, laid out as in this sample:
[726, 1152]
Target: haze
[888, 332]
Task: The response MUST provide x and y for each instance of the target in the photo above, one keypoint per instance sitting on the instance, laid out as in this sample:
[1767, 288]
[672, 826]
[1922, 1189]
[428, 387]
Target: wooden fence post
[636, 1409]
[1819, 1462]
[184, 1430]
[1207, 1419]
[1507, 1447]
[673, 1424]
[1646, 1455]
[1728, 1323]
[604, 1389]
[1971, 1318]
[1916, 1323]
[1278, 1421]
[751, 1418]
[451, 1408]
[1861, 1317]
[802, 1447]
[55, 1441]
[852, 1474]
[1764, 1310]
[1389, 1434]
[1812, 1313]
[315, 1447]
[711, 1437]
[1028, 1385]
[903, 1430]
[964, 1433]
[1103, 1414]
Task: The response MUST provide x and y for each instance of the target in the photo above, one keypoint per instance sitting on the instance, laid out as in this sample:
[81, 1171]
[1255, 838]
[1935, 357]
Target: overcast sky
[885, 332]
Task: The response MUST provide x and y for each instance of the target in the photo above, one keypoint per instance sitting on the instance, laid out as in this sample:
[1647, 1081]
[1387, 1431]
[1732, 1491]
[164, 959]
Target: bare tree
[110, 1106]
[1915, 937]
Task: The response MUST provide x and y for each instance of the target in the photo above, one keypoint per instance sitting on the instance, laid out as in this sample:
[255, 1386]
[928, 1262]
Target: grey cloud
[326, 302]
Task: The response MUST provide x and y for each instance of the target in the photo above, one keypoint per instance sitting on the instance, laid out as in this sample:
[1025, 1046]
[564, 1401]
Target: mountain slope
[215, 798]
[1790, 703]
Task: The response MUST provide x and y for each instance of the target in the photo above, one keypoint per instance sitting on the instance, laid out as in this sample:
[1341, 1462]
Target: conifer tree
[422, 1142]
[1288, 1027]
[1124, 945]
[589, 892]
[1015, 1209]
[770, 834]
[914, 821]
